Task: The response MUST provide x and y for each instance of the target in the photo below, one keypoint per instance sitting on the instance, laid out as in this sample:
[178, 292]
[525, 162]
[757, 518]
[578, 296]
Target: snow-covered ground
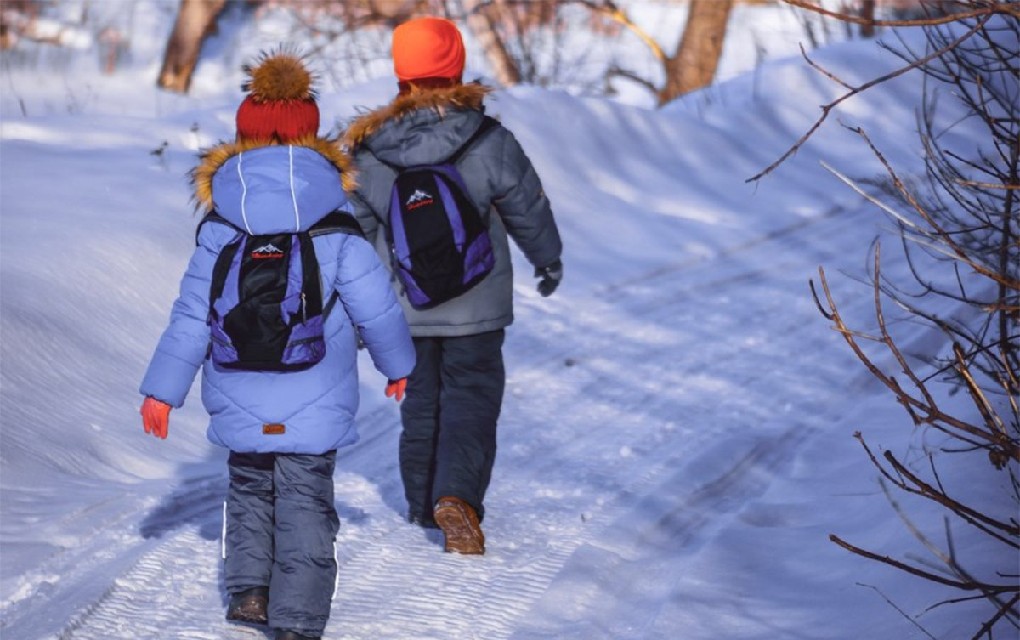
[676, 441]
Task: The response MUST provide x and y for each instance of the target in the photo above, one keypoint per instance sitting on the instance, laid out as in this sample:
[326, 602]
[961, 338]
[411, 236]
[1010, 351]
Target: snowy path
[648, 465]
[675, 446]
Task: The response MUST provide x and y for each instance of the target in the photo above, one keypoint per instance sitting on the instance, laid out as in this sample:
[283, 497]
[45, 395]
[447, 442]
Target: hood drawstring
[244, 193]
[293, 196]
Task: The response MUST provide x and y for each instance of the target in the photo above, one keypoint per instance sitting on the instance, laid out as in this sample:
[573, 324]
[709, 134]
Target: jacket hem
[456, 331]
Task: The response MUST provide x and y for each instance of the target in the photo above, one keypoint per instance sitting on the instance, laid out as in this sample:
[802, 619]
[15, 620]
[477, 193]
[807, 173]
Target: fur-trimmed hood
[273, 188]
[215, 157]
[419, 127]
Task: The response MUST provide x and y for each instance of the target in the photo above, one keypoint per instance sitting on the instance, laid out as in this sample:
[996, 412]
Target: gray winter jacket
[426, 127]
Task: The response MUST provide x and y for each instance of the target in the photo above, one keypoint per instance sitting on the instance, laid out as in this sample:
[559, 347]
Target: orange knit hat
[428, 48]
[280, 103]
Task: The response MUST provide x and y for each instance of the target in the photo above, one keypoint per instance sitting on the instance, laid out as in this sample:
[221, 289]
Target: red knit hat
[428, 48]
[280, 103]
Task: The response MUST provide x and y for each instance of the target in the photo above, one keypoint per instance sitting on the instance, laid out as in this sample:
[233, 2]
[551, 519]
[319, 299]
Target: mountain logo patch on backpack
[440, 245]
[267, 252]
[266, 308]
[418, 199]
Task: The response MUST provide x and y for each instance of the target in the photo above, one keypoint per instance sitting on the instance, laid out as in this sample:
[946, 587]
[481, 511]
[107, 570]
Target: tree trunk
[503, 66]
[195, 21]
[868, 13]
[697, 56]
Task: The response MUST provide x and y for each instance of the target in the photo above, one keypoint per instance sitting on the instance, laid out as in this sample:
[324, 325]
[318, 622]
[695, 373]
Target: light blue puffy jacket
[279, 189]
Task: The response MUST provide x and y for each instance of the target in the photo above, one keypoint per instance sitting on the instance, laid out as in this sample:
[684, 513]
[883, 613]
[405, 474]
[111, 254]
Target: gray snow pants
[448, 443]
[280, 532]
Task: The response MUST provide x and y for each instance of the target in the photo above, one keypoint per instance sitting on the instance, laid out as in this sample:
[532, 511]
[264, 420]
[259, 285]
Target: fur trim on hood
[215, 157]
[462, 96]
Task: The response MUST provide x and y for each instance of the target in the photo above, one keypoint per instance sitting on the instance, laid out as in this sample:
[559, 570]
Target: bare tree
[697, 57]
[517, 38]
[483, 27]
[16, 18]
[698, 51]
[348, 38]
[958, 231]
[21, 20]
[490, 22]
[867, 12]
[196, 19]
[692, 67]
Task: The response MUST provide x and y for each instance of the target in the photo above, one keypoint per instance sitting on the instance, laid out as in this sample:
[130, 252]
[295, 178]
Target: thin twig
[986, 185]
[870, 198]
[901, 611]
[938, 232]
[980, 400]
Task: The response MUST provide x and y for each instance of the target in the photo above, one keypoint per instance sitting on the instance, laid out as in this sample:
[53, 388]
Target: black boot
[284, 634]
[249, 606]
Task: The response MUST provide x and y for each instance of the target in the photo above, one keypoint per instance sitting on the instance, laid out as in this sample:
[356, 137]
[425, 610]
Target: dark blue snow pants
[448, 443]
[280, 532]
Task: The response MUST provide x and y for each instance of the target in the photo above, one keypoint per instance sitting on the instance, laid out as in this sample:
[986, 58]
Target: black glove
[550, 278]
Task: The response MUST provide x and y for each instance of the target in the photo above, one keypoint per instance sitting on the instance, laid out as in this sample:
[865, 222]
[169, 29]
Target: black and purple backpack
[266, 311]
[440, 245]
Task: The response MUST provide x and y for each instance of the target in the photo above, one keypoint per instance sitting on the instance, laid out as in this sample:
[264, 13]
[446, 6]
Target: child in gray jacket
[454, 395]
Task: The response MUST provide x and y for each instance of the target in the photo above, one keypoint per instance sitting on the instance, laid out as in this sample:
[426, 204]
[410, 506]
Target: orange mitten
[155, 417]
[396, 388]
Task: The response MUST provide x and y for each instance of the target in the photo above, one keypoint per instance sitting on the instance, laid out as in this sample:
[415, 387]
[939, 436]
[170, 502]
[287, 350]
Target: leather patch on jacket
[274, 429]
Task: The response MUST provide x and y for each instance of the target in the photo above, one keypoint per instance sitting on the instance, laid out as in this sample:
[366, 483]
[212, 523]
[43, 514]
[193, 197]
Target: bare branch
[992, 8]
[980, 400]
[612, 11]
[965, 586]
[928, 491]
[619, 72]
[827, 108]
[1003, 610]
[922, 410]
[957, 251]
[949, 559]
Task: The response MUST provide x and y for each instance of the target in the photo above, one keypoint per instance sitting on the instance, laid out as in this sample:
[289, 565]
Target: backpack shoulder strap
[336, 222]
[212, 216]
[222, 266]
[488, 124]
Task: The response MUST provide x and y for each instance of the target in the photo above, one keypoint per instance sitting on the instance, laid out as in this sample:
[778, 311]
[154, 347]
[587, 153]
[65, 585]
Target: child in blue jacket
[282, 428]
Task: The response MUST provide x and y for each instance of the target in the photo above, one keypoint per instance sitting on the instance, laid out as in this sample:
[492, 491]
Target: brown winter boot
[459, 523]
[249, 606]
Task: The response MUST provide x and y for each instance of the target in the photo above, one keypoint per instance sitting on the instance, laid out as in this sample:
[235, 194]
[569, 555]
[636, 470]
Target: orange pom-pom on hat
[428, 48]
[281, 104]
